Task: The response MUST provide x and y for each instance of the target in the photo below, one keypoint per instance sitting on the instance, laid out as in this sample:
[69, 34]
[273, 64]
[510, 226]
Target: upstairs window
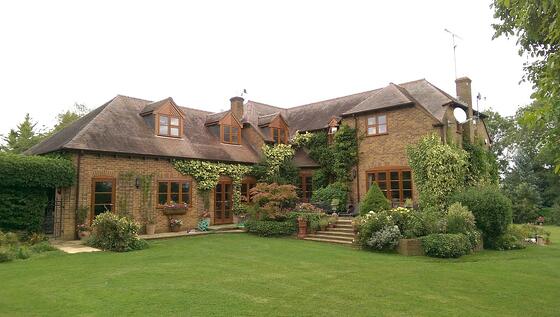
[169, 126]
[279, 135]
[231, 134]
[377, 125]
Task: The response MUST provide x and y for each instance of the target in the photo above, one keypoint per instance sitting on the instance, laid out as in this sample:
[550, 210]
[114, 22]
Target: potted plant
[333, 220]
[175, 224]
[323, 223]
[84, 231]
[150, 222]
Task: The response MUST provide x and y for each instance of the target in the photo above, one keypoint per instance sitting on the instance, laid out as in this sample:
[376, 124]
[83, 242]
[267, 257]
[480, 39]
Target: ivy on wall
[207, 174]
[276, 165]
[482, 164]
[438, 170]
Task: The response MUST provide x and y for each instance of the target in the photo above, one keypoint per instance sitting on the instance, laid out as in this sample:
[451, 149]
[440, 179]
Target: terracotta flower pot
[175, 228]
[150, 228]
[84, 234]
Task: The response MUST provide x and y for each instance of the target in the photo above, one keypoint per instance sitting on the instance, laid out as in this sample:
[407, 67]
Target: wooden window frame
[250, 184]
[282, 137]
[223, 127]
[303, 185]
[169, 125]
[180, 193]
[376, 125]
[93, 192]
[387, 170]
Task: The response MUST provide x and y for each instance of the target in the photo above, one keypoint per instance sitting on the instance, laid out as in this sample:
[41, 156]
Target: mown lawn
[243, 275]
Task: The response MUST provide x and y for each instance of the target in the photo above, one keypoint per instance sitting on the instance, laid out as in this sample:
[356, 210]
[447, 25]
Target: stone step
[341, 229]
[338, 225]
[328, 240]
[329, 236]
[337, 233]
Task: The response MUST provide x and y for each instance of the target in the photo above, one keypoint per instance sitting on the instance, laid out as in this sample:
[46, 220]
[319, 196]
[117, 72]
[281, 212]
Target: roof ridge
[265, 104]
[332, 99]
[413, 81]
[409, 96]
[129, 97]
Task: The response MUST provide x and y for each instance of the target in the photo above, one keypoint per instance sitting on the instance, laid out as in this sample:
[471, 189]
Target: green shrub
[385, 239]
[22, 252]
[491, 209]
[8, 239]
[460, 219]
[114, 233]
[554, 215]
[374, 201]
[22, 208]
[267, 228]
[23, 171]
[41, 247]
[513, 238]
[35, 238]
[423, 223]
[450, 245]
[326, 195]
[371, 223]
[6, 254]
[474, 237]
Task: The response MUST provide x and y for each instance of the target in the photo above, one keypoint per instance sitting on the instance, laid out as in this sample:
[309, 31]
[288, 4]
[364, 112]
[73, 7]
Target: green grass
[243, 275]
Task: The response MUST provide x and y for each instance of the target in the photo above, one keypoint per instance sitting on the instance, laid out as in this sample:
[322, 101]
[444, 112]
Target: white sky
[55, 53]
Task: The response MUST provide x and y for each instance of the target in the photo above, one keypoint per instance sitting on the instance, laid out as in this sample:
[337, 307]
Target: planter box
[174, 211]
[410, 247]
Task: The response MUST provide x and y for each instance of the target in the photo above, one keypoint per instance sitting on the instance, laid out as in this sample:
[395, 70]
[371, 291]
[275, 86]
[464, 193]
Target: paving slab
[72, 247]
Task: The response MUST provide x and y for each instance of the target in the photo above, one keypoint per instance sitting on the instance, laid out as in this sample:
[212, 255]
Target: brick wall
[92, 166]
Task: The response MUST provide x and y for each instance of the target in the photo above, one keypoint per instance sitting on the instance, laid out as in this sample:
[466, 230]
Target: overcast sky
[55, 53]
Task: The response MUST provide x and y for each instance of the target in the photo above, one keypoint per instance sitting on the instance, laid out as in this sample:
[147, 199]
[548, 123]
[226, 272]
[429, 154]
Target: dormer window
[169, 126]
[230, 134]
[279, 135]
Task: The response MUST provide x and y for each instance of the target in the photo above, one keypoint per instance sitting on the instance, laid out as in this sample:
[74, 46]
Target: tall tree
[22, 138]
[502, 131]
[536, 24]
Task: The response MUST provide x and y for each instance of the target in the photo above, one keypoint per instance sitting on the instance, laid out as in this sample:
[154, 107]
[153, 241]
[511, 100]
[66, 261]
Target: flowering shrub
[460, 219]
[115, 233]
[371, 223]
[385, 239]
[175, 222]
[83, 227]
[307, 207]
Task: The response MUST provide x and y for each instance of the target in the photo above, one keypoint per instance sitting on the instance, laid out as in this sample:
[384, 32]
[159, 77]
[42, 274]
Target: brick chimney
[237, 107]
[463, 88]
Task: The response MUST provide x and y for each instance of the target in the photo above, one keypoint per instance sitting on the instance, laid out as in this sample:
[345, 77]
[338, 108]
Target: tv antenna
[244, 92]
[453, 36]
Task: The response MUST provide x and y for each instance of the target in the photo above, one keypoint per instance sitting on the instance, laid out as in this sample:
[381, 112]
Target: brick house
[128, 136]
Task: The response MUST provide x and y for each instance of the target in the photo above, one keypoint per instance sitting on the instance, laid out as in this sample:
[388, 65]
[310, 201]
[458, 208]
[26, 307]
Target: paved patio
[72, 247]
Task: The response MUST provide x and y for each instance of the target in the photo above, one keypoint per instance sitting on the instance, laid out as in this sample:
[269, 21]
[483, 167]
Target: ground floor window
[306, 187]
[103, 198]
[245, 188]
[395, 183]
[170, 192]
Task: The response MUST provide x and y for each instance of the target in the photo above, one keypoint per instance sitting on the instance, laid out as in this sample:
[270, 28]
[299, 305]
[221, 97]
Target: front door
[223, 203]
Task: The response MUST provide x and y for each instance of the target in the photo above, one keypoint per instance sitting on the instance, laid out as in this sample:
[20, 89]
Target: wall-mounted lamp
[137, 182]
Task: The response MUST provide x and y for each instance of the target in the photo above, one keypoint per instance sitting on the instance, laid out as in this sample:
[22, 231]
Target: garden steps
[342, 233]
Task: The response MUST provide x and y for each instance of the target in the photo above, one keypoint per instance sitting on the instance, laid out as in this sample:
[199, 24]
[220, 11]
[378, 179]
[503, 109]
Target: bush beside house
[374, 200]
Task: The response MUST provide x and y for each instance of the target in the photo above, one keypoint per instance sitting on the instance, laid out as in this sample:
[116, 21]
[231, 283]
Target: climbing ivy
[207, 174]
[482, 164]
[276, 165]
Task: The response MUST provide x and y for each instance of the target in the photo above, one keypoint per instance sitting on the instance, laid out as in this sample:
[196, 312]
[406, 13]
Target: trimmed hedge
[374, 201]
[22, 209]
[491, 209]
[267, 228]
[448, 245]
[23, 171]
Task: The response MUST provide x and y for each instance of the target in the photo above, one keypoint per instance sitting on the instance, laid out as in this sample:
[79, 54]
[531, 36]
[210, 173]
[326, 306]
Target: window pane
[185, 187]
[185, 198]
[382, 119]
[381, 176]
[275, 135]
[104, 187]
[394, 175]
[175, 197]
[234, 138]
[227, 133]
[162, 199]
[218, 188]
[174, 131]
[407, 194]
[103, 198]
[174, 187]
[99, 209]
[395, 185]
[382, 128]
[163, 130]
[395, 194]
[371, 178]
[406, 175]
[163, 120]
[371, 131]
[382, 185]
[174, 121]
[371, 120]
[407, 184]
[162, 187]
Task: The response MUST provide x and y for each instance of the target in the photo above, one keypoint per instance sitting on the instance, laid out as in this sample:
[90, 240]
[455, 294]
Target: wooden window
[306, 187]
[170, 192]
[279, 135]
[245, 188]
[377, 124]
[103, 198]
[169, 126]
[231, 134]
[396, 184]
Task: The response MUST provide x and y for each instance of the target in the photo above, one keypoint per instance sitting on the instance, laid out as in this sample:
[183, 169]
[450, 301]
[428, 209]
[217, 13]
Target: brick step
[330, 236]
[337, 233]
[328, 240]
[341, 229]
